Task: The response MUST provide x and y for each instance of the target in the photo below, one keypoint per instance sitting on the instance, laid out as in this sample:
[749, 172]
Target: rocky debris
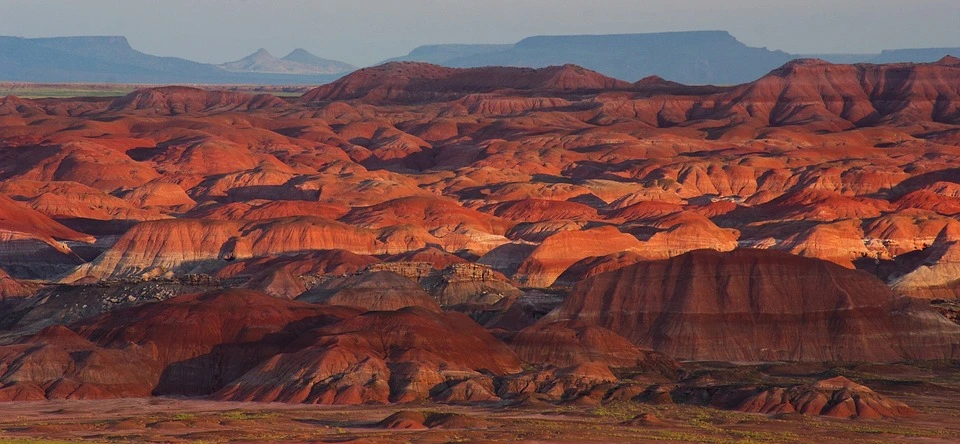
[454, 284]
[949, 308]
[468, 284]
[66, 304]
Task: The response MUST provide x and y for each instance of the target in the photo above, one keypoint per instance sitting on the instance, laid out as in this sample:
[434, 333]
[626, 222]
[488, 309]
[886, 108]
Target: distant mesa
[694, 57]
[689, 57]
[111, 59]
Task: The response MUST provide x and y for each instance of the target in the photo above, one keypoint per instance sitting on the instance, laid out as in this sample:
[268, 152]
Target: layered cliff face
[752, 305]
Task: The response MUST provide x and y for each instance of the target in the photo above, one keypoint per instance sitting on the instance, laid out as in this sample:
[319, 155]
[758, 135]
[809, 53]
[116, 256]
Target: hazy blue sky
[363, 32]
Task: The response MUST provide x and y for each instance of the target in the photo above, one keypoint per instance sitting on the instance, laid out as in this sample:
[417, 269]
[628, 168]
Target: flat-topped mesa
[409, 82]
[174, 100]
[750, 305]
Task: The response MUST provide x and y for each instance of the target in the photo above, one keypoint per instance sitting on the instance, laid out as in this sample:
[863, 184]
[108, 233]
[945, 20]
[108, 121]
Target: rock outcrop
[835, 397]
[246, 345]
[378, 290]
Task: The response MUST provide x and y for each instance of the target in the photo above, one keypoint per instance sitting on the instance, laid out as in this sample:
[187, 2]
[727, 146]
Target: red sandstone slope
[836, 397]
[571, 343]
[34, 245]
[755, 305]
[557, 155]
[414, 82]
[172, 347]
[814, 92]
[194, 345]
[17, 218]
[380, 290]
[376, 357]
[11, 288]
[174, 100]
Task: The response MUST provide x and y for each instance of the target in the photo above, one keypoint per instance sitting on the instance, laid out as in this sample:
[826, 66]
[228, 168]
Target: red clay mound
[377, 290]
[247, 345]
[174, 100]
[559, 251]
[376, 357]
[31, 243]
[415, 82]
[837, 397]
[11, 288]
[595, 265]
[751, 305]
[17, 218]
[537, 210]
[187, 345]
[568, 343]
[811, 91]
[436, 257]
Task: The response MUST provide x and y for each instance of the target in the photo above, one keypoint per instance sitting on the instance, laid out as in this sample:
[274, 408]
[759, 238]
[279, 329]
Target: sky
[364, 32]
